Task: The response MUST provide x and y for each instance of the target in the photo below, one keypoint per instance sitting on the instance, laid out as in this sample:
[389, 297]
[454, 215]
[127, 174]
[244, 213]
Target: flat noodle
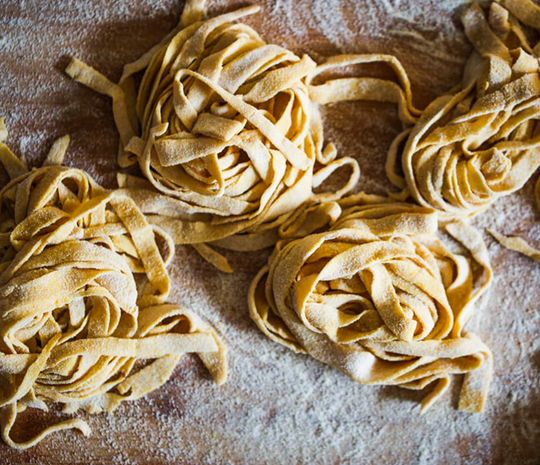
[517, 244]
[480, 142]
[224, 127]
[73, 321]
[365, 88]
[379, 297]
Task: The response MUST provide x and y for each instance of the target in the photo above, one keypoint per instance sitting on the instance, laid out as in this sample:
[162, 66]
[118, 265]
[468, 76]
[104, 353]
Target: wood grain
[278, 407]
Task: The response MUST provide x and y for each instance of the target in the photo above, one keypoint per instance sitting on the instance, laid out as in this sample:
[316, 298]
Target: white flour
[277, 407]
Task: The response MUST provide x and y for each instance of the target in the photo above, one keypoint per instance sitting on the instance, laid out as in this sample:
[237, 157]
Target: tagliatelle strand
[365, 88]
[381, 298]
[73, 320]
[517, 244]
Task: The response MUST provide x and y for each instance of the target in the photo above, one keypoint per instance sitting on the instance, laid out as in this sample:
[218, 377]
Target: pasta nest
[227, 131]
[379, 297]
[82, 290]
[480, 143]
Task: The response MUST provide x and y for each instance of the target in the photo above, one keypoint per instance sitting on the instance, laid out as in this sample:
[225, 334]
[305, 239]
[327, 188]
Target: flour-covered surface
[277, 407]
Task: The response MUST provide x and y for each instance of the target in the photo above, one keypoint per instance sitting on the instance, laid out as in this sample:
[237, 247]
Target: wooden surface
[277, 407]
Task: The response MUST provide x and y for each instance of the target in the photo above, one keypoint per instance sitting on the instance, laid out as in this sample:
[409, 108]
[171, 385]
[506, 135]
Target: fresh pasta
[75, 325]
[227, 134]
[381, 298]
[481, 141]
[223, 126]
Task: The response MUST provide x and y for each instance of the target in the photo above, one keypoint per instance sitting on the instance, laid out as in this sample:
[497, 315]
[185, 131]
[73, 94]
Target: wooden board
[277, 407]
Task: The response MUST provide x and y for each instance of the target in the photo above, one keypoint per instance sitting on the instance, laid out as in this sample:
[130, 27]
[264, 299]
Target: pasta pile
[227, 134]
[481, 142]
[223, 125]
[75, 327]
[226, 131]
[381, 298]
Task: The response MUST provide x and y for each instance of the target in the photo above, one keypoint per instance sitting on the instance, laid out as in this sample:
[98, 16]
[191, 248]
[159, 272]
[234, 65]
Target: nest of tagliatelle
[381, 298]
[74, 320]
[223, 126]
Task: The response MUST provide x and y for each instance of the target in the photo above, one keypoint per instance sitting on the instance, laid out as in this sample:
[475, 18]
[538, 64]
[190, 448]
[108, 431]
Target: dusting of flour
[277, 407]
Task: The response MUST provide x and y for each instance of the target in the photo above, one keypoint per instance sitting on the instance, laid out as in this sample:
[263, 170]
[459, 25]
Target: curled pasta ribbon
[365, 88]
[517, 244]
[481, 142]
[224, 127]
[74, 321]
[379, 297]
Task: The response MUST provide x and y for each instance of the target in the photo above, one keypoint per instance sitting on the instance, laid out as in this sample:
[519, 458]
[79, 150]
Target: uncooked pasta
[223, 125]
[381, 298]
[481, 141]
[75, 325]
